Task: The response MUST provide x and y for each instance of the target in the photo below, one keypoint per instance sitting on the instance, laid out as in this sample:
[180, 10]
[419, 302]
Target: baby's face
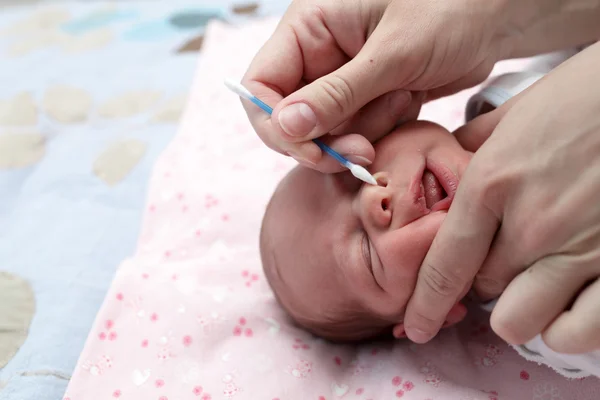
[331, 243]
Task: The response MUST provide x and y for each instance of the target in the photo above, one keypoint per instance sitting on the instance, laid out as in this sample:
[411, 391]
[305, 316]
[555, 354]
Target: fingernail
[418, 336]
[399, 101]
[358, 159]
[297, 119]
[300, 159]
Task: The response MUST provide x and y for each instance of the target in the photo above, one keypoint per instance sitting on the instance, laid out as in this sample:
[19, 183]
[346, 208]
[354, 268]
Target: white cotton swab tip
[361, 173]
[238, 89]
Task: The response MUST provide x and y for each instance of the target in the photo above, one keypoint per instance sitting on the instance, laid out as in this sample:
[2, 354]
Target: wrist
[531, 27]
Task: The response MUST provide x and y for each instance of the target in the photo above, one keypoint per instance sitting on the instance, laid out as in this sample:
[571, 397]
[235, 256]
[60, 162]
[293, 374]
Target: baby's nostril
[382, 181]
[385, 203]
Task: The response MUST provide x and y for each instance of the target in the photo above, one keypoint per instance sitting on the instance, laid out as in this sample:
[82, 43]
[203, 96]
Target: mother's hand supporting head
[525, 222]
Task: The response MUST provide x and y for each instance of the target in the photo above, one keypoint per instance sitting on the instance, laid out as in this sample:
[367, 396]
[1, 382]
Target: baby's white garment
[569, 365]
[500, 89]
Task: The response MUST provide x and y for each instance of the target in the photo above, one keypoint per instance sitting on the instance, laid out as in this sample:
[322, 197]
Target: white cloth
[500, 89]
[569, 365]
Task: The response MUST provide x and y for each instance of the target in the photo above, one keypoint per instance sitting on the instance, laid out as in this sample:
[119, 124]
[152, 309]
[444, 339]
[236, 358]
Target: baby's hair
[347, 326]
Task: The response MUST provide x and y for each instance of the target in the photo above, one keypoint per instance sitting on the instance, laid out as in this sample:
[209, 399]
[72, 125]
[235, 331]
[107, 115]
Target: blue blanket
[98, 76]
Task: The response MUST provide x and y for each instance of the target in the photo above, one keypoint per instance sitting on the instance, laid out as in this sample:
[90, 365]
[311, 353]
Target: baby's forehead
[305, 200]
[312, 215]
[305, 240]
[303, 250]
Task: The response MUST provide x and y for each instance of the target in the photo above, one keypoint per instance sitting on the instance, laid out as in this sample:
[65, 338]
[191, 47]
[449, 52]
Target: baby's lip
[449, 182]
[418, 207]
[419, 203]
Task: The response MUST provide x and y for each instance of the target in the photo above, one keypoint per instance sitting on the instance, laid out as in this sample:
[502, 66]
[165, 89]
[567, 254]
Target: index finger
[456, 254]
[274, 73]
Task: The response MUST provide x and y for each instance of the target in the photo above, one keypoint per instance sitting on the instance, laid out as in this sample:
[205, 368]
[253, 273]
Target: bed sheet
[190, 315]
[90, 95]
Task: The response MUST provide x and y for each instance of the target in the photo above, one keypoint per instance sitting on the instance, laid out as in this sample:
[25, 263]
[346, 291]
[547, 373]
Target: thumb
[473, 134]
[322, 105]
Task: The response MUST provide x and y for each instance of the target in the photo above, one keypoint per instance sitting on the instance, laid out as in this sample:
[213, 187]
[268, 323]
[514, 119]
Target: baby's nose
[376, 202]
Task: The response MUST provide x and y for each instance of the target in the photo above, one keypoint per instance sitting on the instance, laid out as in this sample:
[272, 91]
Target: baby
[341, 256]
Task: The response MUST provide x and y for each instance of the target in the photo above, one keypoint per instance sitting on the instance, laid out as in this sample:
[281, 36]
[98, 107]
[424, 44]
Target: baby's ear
[398, 331]
[456, 314]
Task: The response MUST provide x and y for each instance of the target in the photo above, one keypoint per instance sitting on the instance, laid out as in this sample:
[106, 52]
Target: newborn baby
[342, 257]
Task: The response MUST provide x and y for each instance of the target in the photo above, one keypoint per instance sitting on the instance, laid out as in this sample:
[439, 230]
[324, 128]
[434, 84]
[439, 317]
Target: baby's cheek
[405, 250]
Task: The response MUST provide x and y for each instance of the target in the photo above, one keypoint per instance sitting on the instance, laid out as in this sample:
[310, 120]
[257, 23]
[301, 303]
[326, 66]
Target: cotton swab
[357, 170]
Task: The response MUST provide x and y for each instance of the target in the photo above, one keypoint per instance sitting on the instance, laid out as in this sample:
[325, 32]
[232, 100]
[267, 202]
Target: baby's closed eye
[369, 254]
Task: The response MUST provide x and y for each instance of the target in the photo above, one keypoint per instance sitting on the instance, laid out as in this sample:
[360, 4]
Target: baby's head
[342, 257]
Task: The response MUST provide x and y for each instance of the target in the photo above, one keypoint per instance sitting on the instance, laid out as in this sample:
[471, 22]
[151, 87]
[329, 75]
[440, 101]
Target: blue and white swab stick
[357, 170]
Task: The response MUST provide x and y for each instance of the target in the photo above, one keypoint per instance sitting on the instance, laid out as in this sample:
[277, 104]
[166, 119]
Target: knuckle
[425, 323]
[266, 133]
[268, 140]
[275, 148]
[442, 283]
[532, 238]
[312, 15]
[338, 92]
[272, 143]
[271, 138]
[537, 233]
[487, 185]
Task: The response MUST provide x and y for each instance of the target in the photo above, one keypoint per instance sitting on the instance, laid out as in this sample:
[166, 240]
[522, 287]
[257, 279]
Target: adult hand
[525, 222]
[338, 67]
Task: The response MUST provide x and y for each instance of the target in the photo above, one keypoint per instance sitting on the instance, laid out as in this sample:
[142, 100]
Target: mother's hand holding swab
[358, 171]
[351, 70]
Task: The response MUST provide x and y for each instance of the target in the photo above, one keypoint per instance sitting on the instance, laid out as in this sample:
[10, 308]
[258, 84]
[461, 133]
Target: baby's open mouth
[438, 186]
[432, 189]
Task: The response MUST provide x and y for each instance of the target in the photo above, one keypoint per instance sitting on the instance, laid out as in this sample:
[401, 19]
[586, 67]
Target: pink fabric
[190, 316]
